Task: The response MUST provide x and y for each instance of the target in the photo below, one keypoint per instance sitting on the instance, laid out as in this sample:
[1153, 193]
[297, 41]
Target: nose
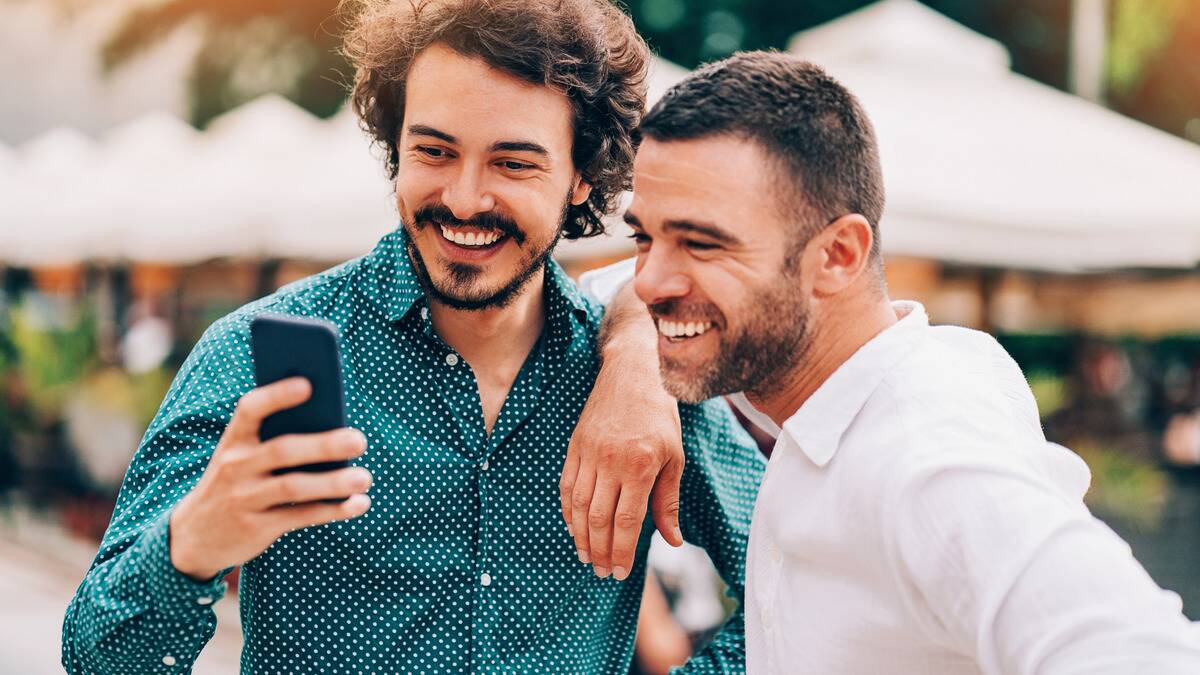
[466, 195]
[658, 278]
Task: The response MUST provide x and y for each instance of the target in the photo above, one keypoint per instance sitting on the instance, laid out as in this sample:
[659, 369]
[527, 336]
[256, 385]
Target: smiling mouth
[472, 238]
[678, 331]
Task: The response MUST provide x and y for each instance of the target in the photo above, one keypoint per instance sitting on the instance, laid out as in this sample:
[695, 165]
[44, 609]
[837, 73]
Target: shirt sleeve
[716, 499]
[1003, 564]
[603, 284]
[134, 612]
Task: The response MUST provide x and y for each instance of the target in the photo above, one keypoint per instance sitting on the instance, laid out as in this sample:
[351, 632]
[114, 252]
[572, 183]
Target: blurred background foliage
[252, 47]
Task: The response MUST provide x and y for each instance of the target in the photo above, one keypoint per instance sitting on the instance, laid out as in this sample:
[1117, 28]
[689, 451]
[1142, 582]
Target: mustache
[439, 214]
[691, 311]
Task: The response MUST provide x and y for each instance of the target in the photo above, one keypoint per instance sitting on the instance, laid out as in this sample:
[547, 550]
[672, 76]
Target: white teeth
[676, 329]
[471, 238]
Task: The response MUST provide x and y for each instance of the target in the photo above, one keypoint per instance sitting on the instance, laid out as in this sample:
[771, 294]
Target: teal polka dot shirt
[462, 564]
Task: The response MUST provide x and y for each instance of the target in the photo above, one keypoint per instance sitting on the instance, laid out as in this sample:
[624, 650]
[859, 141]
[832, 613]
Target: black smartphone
[285, 346]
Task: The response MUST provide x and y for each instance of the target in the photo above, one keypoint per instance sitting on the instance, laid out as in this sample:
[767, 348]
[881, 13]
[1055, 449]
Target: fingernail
[620, 573]
[601, 572]
[584, 557]
[678, 534]
[570, 531]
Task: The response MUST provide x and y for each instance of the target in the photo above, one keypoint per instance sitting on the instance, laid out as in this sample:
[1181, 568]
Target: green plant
[1124, 486]
[48, 360]
[1050, 391]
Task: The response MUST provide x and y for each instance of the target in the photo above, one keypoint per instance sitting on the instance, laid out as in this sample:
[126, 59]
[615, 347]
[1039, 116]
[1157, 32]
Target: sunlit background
[163, 162]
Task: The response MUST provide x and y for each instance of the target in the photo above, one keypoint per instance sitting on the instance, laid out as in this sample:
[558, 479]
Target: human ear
[841, 251]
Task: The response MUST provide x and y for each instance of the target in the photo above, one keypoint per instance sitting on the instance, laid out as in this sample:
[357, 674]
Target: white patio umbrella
[39, 214]
[8, 193]
[984, 166]
[346, 204]
[137, 169]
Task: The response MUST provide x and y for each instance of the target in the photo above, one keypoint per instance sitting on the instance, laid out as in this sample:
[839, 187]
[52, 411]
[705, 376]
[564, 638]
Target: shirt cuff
[602, 285]
[169, 591]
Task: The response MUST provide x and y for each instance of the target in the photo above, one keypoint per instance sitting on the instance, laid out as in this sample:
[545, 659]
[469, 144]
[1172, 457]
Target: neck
[835, 338]
[489, 337]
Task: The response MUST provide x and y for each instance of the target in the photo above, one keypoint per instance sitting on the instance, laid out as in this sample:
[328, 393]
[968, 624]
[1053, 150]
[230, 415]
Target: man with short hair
[913, 518]
[468, 356]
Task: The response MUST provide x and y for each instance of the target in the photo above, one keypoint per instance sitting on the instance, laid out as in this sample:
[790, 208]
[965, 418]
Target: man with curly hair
[469, 356]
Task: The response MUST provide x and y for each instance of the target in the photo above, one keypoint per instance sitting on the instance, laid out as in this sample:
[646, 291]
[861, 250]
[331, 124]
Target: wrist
[181, 560]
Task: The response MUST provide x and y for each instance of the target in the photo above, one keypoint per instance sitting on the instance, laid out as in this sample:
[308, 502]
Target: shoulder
[220, 364]
[959, 388]
[957, 403]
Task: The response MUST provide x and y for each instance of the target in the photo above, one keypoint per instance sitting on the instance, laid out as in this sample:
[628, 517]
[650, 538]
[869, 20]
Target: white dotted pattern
[463, 563]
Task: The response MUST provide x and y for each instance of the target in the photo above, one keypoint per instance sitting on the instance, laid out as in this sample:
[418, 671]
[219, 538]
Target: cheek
[537, 210]
[726, 287]
[416, 185]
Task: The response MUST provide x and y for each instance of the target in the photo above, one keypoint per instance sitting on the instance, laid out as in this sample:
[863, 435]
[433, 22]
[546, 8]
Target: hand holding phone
[256, 490]
[287, 346]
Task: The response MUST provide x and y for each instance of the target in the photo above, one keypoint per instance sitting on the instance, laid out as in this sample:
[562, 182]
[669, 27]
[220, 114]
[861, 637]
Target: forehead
[721, 179]
[469, 99]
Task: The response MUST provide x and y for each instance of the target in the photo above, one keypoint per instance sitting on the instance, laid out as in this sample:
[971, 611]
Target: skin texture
[239, 508]
[626, 448]
[450, 96]
[728, 185]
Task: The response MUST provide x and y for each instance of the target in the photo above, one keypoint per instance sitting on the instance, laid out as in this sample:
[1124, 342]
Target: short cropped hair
[587, 49]
[815, 129]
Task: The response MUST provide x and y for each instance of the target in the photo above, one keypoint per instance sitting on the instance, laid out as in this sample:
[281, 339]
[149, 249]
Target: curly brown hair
[587, 49]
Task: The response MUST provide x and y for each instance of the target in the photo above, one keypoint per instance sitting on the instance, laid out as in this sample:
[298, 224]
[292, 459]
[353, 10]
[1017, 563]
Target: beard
[772, 338]
[462, 288]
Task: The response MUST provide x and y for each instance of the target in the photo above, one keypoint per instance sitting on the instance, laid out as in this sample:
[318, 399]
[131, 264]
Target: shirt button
[485, 579]
[485, 465]
[168, 660]
[204, 601]
[424, 312]
[452, 359]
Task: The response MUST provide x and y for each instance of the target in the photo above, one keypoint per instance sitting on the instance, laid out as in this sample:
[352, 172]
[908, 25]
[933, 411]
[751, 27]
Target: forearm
[628, 331]
[135, 613]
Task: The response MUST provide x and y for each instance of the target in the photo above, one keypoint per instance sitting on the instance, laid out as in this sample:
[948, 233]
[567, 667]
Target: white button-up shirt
[913, 519]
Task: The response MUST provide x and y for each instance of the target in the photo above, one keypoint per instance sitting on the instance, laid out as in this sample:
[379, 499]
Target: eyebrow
[423, 130]
[706, 229]
[499, 146]
[520, 146]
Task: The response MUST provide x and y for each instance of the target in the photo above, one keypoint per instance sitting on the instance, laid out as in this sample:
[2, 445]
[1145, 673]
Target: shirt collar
[818, 426]
[394, 286]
